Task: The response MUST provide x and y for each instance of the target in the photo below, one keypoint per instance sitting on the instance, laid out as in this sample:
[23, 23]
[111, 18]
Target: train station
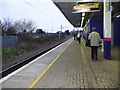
[70, 64]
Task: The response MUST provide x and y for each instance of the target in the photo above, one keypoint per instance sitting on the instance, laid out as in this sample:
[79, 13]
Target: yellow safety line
[39, 77]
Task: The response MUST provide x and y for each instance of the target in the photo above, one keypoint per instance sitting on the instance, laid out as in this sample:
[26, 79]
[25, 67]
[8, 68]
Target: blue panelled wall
[98, 23]
[116, 38]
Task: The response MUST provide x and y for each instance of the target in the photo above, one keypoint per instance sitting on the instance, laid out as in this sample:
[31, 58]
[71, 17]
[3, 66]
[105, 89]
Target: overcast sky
[42, 12]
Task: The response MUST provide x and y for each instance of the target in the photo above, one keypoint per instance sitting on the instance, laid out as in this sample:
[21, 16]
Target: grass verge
[12, 51]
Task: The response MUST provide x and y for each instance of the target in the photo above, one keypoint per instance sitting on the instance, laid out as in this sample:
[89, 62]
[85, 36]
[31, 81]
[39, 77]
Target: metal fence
[8, 41]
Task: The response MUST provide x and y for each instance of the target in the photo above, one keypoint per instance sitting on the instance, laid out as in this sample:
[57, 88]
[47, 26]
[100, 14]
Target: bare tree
[11, 31]
[24, 29]
[6, 24]
[24, 25]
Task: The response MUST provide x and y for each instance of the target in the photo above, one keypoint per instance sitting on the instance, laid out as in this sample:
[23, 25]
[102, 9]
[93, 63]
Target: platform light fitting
[118, 16]
[83, 14]
[83, 18]
[82, 21]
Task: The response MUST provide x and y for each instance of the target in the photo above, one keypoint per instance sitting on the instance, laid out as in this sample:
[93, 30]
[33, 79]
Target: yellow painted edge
[39, 77]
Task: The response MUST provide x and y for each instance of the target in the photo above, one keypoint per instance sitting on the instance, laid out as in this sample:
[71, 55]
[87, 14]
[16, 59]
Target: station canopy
[67, 6]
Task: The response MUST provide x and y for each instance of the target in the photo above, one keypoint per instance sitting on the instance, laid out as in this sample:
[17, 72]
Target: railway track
[11, 69]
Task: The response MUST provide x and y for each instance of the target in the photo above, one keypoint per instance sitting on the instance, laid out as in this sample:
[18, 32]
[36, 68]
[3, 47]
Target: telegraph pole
[61, 28]
[59, 31]
[52, 28]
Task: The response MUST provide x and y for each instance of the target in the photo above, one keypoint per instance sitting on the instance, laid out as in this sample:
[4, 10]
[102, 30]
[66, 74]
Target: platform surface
[72, 68]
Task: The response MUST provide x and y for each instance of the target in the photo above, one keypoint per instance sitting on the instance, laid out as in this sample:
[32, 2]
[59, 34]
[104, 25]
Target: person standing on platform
[94, 38]
[74, 36]
[78, 37]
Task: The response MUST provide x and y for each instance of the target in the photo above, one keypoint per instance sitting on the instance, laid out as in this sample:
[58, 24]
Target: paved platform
[72, 68]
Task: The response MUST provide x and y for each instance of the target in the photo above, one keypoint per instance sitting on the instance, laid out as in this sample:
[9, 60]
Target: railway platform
[69, 65]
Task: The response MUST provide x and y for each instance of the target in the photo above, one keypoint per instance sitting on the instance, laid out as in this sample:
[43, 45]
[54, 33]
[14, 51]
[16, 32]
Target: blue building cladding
[86, 31]
[116, 38]
[98, 23]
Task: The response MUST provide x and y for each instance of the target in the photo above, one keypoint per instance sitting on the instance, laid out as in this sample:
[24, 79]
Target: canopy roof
[75, 18]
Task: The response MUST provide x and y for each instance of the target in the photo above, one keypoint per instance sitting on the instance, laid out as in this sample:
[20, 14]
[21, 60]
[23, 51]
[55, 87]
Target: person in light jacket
[94, 38]
[79, 37]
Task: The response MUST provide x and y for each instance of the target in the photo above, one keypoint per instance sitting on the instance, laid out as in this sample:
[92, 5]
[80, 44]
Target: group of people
[95, 39]
[78, 37]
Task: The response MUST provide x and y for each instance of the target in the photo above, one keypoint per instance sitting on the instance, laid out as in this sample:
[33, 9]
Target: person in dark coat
[74, 36]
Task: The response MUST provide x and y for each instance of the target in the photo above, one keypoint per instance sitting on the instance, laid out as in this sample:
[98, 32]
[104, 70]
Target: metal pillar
[107, 29]
[102, 45]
